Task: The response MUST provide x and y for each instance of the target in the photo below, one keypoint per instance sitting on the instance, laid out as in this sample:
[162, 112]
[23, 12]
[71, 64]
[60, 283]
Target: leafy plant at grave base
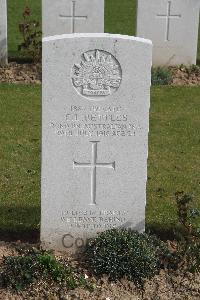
[17, 272]
[161, 76]
[189, 236]
[32, 37]
[168, 257]
[122, 253]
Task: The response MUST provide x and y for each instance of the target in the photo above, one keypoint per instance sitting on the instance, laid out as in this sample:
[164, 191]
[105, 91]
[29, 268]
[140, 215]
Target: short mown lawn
[173, 165]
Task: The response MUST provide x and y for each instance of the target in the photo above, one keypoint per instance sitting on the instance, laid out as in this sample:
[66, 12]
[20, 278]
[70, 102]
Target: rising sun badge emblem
[98, 74]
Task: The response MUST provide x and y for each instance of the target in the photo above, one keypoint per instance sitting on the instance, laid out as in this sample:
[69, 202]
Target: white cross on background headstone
[168, 17]
[73, 16]
[172, 26]
[94, 165]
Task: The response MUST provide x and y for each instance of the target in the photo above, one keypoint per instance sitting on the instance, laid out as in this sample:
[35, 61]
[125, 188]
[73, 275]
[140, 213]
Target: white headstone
[68, 16]
[172, 25]
[96, 97]
[3, 33]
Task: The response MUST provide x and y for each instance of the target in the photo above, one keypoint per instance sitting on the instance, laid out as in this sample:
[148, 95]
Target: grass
[173, 152]
[19, 158]
[120, 17]
[173, 155]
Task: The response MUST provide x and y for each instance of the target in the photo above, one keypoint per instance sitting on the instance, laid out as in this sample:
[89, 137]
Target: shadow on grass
[19, 58]
[33, 235]
[165, 231]
[19, 223]
[29, 236]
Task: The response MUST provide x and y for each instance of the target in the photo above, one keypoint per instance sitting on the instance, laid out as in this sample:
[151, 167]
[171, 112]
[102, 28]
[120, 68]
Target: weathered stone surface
[173, 28]
[67, 16]
[3, 33]
[96, 92]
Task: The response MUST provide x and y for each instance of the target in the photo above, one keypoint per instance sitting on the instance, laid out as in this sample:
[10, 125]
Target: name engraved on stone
[96, 122]
[73, 17]
[94, 165]
[98, 75]
[168, 17]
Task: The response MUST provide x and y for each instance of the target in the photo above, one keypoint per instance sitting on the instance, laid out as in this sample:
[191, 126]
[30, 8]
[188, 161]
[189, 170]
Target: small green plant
[189, 236]
[18, 272]
[161, 76]
[32, 37]
[122, 253]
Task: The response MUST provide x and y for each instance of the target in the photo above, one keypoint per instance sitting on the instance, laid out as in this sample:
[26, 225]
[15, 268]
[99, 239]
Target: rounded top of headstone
[96, 35]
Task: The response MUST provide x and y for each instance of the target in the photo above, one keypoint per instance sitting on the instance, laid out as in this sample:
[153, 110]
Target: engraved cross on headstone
[168, 17]
[73, 16]
[94, 165]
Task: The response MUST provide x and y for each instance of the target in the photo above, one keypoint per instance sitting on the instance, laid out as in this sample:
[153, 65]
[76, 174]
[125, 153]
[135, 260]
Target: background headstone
[96, 97]
[3, 33]
[172, 25]
[68, 16]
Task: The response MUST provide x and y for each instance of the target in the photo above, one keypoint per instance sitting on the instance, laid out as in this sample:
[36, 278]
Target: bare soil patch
[21, 73]
[186, 75]
[167, 285]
